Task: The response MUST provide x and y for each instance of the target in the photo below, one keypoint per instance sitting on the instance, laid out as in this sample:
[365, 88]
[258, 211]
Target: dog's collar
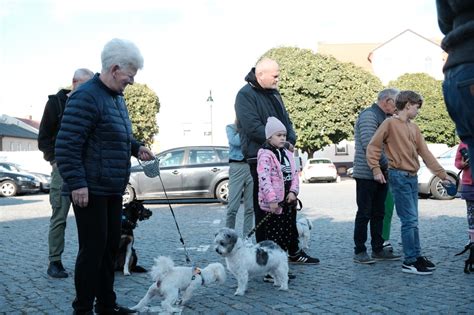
[196, 272]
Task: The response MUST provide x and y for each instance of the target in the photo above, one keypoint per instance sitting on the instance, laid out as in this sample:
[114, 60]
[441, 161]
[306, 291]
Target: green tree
[323, 96]
[143, 105]
[433, 118]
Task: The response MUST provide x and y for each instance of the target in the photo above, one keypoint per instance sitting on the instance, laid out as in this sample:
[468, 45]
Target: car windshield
[450, 154]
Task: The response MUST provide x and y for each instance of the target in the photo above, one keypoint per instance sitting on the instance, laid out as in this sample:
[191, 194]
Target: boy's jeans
[404, 188]
[458, 90]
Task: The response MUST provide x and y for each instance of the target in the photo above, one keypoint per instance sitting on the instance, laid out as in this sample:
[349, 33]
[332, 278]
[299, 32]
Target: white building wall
[407, 53]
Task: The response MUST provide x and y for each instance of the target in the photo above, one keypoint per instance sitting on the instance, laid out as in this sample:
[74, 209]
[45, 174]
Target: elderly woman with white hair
[93, 151]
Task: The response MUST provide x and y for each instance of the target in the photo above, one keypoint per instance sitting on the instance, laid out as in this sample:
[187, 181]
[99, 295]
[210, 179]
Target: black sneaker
[117, 309]
[426, 262]
[268, 278]
[302, 258]
[56, 270]
[416, 267]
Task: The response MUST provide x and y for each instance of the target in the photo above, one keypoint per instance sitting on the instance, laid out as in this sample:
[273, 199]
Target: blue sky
[189, 46]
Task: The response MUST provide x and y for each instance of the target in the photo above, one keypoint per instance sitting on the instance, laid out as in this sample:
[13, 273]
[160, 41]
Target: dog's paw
[239, 292]
[127, 273]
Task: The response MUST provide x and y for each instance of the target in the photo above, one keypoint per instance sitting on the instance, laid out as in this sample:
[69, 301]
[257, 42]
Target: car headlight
[25, 179]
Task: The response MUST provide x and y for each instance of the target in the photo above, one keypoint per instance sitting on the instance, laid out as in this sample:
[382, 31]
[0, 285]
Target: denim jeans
[404, 188]
[458, 90]
[370, 209]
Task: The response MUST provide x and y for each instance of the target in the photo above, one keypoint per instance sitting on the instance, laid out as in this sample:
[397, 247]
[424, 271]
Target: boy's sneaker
[363, 258]
[426, 262]
[385, 254]
[417, 267]
[302, 258]
[387, 246]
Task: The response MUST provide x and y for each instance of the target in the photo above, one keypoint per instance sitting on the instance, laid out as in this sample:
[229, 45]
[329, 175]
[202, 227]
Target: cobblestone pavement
[336, 285]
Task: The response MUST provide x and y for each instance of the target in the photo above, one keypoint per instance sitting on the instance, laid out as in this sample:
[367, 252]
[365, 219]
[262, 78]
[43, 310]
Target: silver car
[429, 184]
[187, 173]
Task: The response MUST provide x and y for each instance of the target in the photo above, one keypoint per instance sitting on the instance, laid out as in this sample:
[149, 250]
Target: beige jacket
[402, 142]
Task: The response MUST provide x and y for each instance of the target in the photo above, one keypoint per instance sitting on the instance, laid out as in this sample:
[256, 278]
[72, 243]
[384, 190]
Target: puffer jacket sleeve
[266, 191]
[79, 119]
[249, 119]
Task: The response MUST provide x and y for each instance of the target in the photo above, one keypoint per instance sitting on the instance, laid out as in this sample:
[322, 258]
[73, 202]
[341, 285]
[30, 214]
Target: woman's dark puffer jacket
[95, 142]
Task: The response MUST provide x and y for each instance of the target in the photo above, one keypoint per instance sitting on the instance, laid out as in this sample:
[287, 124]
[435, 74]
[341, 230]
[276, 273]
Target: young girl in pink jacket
[278, 184]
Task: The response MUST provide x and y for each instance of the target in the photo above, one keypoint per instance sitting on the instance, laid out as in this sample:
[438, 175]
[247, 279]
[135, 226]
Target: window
[202, 156]
[173, 158]
[342, 149]
[223, 154]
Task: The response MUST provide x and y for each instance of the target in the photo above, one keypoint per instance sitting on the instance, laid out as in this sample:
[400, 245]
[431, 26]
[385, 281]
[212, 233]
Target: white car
[319, 170]
[429, 184]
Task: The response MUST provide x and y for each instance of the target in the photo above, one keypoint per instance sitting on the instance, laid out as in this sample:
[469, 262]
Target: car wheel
[222, 191]
[128, 195]
[8, 188]
[438, 191]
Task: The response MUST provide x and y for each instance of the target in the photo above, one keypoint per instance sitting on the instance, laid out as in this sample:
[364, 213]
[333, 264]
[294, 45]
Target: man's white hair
[123, 53]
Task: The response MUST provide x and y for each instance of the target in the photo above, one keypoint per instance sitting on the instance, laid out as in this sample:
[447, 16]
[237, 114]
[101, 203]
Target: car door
[202, 167]
[171, 164]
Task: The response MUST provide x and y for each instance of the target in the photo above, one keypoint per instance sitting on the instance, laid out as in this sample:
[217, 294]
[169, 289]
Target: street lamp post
[210, 100]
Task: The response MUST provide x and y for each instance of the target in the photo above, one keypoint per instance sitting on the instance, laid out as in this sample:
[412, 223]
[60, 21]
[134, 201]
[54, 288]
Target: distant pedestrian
[240, 182]
[467, 186]
[456, 21]
[93, 151]
[371, 195]
[402, 142]
[48, 130]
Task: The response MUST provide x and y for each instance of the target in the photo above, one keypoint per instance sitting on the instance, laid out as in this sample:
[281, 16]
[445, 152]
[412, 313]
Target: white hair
[123, 53]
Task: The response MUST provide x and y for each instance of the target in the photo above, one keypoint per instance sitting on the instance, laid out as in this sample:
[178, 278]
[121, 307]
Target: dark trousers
[261, 233]
[98, 227]
[370, 208]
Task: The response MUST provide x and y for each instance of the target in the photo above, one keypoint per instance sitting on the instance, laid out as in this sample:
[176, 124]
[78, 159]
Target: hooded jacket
[50, 123]
[253, 105]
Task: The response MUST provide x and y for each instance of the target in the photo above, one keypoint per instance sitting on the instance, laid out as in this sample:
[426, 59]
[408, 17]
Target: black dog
[468, 263]
[127, 259]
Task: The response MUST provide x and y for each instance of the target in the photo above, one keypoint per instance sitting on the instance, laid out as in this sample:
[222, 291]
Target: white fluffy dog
[304, 226]
[170, 280]
[244, 259]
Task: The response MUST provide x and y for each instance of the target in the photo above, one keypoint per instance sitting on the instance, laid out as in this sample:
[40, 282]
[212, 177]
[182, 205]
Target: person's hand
[80, 197]
[145, 154]
[380, 178]
[273, 206]
[290, 198]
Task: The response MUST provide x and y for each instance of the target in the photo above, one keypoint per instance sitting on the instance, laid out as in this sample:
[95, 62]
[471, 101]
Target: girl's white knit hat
[273, 126]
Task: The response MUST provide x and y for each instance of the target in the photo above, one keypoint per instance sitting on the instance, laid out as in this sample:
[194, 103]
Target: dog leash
[152, 169]
[298, 206]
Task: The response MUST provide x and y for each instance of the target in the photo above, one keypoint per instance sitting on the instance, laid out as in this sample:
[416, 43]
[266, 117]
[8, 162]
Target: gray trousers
[240, 180]
[57, 223]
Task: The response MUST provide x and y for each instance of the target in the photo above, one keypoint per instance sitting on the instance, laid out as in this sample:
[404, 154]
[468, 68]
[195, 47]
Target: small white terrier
[244, 259]
[169, 281]
[304, 226]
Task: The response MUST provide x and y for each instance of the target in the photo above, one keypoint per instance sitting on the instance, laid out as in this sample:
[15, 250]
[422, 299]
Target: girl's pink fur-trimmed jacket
[271, 187]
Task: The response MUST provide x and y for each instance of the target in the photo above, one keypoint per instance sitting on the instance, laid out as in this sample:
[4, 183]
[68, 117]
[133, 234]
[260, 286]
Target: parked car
[319, 170]
[44, 179]
[187, 173]
[15, 183]
[429, 184]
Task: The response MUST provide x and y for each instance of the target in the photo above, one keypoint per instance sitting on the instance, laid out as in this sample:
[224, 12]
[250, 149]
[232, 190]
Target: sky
[190, 47]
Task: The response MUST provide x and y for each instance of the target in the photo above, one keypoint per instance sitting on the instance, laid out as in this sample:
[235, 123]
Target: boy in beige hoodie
[403, 142]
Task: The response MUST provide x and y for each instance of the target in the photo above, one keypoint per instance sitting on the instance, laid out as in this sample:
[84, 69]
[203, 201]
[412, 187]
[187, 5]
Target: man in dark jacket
[93, 151]
[370, 194]
[48, 130]
[456, 21]
[255, 102]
